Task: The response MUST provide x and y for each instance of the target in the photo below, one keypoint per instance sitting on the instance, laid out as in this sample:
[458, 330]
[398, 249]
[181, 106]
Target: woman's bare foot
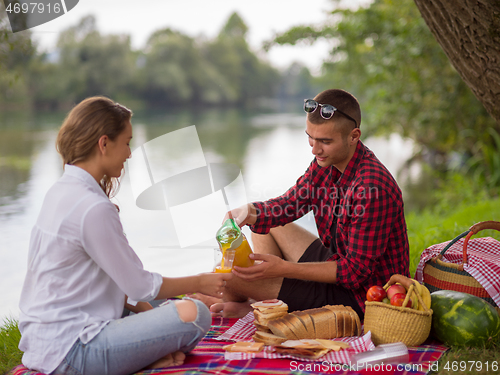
[231, 309]
[172, 359]
[207, 300]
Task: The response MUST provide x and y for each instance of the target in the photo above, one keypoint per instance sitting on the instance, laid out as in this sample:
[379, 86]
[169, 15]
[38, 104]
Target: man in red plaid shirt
[358, 208]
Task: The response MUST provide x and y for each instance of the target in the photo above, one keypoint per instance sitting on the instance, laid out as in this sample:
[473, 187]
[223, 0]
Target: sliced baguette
[321, 319]
[268, 338]
[280, 328]
[290, 328]
[298, 327]
[316, 312]
[349, 322]
[328, 322]
[343, 318]
[350, 326]
[333, 325]
[307, 322]
[261, 327]
[357, 330]
[263, 319]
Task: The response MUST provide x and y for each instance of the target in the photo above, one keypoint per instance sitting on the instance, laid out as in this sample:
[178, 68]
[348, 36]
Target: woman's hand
[213, 284]
[270, 267]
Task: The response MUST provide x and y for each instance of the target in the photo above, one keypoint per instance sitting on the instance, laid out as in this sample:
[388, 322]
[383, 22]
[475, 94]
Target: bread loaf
[327, 322]
[275, 325]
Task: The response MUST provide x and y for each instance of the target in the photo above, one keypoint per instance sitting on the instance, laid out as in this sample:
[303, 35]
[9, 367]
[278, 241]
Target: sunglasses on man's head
[327, 110]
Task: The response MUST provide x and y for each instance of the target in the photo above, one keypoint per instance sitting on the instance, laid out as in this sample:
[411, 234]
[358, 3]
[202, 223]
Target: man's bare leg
[288, 242]
[239, 294]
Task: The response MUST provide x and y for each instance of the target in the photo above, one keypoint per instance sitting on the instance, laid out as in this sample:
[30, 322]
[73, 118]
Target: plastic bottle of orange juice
[230, 236]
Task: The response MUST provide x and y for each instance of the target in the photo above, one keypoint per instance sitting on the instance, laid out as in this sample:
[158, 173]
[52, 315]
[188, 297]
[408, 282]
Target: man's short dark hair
[340, 99]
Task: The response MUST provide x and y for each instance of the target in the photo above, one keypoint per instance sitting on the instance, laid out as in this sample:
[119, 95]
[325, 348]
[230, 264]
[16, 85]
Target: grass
[428, 227]
[469, 361]
[431, 227]
[10, 355]
[424, 229]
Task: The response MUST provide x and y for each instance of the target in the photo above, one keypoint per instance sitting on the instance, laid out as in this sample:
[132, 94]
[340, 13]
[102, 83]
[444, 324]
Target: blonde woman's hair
[84, 125]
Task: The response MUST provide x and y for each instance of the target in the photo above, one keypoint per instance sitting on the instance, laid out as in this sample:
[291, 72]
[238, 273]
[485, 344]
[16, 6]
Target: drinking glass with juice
[227, 261]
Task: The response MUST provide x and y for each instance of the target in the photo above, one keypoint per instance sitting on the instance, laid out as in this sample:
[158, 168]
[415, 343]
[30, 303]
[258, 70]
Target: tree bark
[469, 33]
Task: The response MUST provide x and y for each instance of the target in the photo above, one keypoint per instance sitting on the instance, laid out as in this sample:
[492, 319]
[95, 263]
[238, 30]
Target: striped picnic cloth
[483, 262]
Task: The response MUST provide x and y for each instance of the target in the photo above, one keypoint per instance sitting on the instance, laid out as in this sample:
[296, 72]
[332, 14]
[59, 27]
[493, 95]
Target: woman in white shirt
[81, 268]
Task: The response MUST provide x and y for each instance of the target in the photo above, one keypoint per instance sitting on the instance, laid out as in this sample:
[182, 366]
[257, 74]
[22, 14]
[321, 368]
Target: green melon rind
[461, 319]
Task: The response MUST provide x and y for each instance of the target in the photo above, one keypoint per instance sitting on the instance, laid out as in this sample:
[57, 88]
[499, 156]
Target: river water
[269, 150]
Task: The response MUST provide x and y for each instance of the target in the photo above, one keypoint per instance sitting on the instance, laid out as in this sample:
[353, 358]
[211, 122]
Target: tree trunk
[469, 33]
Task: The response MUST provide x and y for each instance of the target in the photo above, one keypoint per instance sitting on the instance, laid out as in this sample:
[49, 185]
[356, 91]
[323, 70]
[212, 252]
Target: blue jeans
[129, 344]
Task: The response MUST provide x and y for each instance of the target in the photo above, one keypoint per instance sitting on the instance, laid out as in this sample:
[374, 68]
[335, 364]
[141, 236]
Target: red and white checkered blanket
[483, 261]
[209, 358]
[244, 328]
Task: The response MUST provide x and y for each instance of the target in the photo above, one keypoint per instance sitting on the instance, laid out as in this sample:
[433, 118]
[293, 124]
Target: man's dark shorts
[302, 295]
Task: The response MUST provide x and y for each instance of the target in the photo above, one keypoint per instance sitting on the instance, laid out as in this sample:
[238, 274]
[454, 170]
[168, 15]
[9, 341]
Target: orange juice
[220, 269]
[241, 258]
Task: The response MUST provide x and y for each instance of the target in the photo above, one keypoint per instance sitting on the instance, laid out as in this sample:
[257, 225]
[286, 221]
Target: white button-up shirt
[80, 266]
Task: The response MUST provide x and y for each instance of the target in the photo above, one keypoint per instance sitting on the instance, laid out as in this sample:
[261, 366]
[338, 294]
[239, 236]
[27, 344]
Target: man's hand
[244, 215]
[270, 266]
[273, 266]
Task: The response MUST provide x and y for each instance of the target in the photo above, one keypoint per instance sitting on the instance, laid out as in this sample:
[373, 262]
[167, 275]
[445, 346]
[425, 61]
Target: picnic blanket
[244, 328]
[209, 358]
[483, 255]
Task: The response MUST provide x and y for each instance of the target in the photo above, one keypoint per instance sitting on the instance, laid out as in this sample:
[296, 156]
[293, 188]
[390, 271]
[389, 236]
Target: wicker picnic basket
[439, 275]
[390, 324]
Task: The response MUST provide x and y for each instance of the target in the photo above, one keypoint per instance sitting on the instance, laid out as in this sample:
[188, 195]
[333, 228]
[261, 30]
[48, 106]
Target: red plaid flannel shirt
[371, 237]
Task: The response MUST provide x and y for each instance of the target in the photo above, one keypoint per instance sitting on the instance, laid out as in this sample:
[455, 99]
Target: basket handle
[483, 225]
[409, 285]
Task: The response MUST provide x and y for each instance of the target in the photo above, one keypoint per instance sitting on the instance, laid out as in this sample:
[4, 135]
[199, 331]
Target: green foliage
[297, 82]
[386, 56]
[246, 77]
[172, 70]
[10, 355]
[484, 165]
[89, 64]
[235, 27]
[16, 52]
[433, 226]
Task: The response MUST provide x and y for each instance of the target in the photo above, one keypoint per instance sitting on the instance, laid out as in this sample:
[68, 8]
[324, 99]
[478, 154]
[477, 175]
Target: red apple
[398, 300]
[376, 293]
[394, 289]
